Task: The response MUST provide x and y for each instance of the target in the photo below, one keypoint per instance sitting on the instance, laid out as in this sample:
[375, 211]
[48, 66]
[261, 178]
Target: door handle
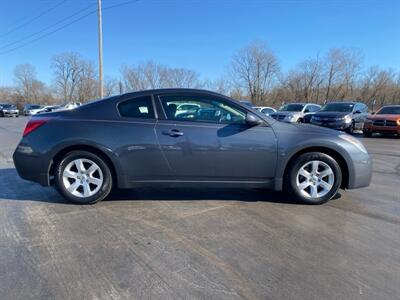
[173, 132]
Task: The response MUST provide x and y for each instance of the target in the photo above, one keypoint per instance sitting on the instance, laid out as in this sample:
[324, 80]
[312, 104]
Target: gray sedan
[140, 139]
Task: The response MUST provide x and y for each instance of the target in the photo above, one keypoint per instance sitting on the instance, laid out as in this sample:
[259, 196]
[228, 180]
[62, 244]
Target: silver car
[295, 112]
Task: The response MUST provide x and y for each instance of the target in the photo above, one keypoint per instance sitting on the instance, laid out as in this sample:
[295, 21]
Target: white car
[265, 109]
[295, 112]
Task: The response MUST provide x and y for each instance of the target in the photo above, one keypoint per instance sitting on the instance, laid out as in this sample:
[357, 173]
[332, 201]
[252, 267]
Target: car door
[135, 140]
[213, 143]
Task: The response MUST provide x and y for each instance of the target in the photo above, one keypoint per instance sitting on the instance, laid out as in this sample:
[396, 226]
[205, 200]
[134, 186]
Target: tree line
[254, 74]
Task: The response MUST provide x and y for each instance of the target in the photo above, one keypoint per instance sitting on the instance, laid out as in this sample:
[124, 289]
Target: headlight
[352, 140]
[347, 119]
[398, 122]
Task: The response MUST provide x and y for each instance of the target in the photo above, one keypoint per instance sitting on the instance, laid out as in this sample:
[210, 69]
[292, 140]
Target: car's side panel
[218, 152]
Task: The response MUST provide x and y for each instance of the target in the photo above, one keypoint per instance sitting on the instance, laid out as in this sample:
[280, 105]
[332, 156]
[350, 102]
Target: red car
[385, 121]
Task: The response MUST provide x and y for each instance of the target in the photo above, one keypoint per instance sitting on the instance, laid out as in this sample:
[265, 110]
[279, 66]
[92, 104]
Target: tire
[81, 185]
[293, 178]
[300, 120]
[367, 133]
[350, 130]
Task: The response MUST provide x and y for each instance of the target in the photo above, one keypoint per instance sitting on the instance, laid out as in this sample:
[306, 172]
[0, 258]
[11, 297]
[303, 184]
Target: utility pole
[100, 24]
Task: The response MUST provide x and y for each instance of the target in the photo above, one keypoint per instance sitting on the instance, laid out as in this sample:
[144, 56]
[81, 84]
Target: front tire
[313, 178]
[83, 177]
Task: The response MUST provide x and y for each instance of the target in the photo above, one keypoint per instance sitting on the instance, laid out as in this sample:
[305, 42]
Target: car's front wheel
[83, 177]
[313, 178]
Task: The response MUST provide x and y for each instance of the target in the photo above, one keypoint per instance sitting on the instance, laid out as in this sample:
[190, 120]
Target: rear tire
[313, 178]
[367, 133]
[83, 177]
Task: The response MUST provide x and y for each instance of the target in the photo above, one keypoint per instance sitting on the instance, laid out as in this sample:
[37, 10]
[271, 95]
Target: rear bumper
[31, 167]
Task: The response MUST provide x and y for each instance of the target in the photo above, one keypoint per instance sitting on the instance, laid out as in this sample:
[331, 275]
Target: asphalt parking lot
[197, 244]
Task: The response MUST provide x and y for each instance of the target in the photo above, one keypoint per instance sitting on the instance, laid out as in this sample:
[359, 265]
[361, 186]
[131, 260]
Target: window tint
[201, 109]
[141, 107]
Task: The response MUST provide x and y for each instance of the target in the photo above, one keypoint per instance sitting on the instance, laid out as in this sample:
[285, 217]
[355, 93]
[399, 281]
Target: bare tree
[111, 86]
[87, 85]
[28, 88]
[151, 75]
[254, 68]
[67, 72]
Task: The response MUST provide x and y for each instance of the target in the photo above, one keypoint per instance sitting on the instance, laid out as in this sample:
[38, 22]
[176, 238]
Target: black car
[140, 139]
[346, 116]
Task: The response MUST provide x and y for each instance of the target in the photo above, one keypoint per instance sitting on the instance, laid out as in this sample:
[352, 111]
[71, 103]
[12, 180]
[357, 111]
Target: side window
[141, 108]
[201, 109]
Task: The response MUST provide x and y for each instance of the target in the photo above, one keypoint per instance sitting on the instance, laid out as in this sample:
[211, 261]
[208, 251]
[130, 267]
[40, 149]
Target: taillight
[34, 124]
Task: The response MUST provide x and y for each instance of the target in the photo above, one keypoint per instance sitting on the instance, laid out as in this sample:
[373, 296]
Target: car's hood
[286, 113]
[331, 114]
[384, 117]
[304, 129]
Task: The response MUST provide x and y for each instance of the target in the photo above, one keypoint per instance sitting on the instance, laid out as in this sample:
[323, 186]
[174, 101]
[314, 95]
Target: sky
[199, 35]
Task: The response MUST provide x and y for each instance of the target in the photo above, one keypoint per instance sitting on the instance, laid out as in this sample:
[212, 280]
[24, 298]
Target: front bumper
[10, 113]
[360, 171]
[30, 166]
[381, 129]
[338, 125]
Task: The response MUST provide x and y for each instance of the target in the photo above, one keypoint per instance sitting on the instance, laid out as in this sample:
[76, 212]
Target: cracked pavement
[200, 244]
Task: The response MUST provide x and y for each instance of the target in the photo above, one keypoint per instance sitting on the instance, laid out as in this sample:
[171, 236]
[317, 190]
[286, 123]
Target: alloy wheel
[82, 177]
[315, 179]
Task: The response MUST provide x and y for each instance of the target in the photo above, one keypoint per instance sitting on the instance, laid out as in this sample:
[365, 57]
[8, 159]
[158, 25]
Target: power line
[47, 28]
[31, 20]
[65, 25]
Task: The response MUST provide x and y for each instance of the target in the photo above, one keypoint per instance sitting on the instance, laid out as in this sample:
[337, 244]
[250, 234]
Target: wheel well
[337, 156]
[58, 157]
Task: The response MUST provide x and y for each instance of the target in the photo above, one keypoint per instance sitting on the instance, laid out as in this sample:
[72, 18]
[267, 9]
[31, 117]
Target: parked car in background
[71, 105]
[185, 108]
[48, 108]
[139, 139]
[266, 110]
[31, 109]
[347, 116]
[9, 110]
[384, 121]
[294, 112]
[247, 103]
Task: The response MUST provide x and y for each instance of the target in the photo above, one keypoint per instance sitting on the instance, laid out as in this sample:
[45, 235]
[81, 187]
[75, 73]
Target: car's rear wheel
[83, 177]
[367, 133]
[313, 178]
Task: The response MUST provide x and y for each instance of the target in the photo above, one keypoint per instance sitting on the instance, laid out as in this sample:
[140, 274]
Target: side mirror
[357, 112]
[253, 120]
[373, 113]
[306, 111]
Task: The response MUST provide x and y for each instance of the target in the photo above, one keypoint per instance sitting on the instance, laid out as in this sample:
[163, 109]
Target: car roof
[344, 102]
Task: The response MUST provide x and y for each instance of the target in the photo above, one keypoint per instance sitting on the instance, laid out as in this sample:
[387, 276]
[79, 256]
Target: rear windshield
[292, 107]
[338, 107]
[389, 110]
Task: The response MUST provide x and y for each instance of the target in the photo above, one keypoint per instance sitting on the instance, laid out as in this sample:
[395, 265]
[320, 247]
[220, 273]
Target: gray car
[139, 139]
[295, 112]
[347, 116]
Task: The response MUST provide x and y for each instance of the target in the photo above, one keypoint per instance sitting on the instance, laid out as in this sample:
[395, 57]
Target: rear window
[141, 108]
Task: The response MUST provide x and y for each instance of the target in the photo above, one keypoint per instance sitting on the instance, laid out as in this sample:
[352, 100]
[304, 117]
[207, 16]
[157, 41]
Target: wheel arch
[83, 147]
[328, 151]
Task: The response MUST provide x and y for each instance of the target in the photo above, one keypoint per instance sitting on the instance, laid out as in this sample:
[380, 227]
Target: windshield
[8, 106]
[34, 106]
[389, 110]
[338, 107]
[292, 107]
